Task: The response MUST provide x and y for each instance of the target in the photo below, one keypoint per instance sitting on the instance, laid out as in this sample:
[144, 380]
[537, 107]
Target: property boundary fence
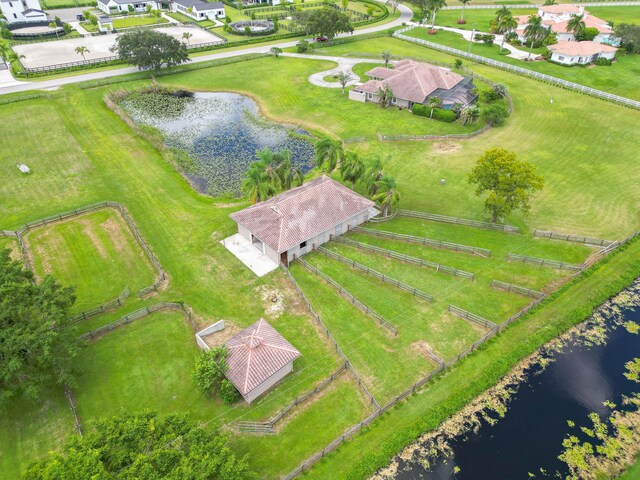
[483, 252]
[527, 292]
[268, 426]
[458, 221]
[572, 238]
[530, 6]
[116, 302]
[376, 274]
[404, 258]
[513, 257]
[471, 317]
[627, 102]
[330, 337]
[72, 404]
[451, 136]
[350, 297]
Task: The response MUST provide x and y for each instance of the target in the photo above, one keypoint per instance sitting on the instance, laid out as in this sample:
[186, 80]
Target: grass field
[81, 153]
[128, 22]
[96, 253]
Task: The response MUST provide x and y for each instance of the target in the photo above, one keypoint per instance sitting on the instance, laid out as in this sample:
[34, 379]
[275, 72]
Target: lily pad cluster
[221, 132]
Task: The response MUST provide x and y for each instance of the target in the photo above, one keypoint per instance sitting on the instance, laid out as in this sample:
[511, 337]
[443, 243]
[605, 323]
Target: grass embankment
[572, 304]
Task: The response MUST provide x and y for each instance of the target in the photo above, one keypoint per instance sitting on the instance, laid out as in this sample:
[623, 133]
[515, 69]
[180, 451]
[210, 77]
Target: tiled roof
[580, 48]
[411, 80]
[589, 21]
[561, 8]
[255, 354]
[299, 214]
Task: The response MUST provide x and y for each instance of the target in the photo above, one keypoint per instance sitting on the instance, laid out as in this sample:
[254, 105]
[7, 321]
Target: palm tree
[500, 14]
[387, 195]
[433, 6]
[82, 50]
[344, 77]
[469, 115]
[533, 30]
[505, 26]
[386, 56]
[270, 162]
[289, 175]
[351, 168]
[54, 25]
[576, 25]
[384, 95]
[187, 36]
[464, 5]
[433, 103]
[373, 174]
[255, 183]
[500, 89]
[329, 154]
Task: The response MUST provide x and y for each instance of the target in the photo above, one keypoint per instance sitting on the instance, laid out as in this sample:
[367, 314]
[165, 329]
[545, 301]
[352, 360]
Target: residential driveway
[344, 65]
[68, 14]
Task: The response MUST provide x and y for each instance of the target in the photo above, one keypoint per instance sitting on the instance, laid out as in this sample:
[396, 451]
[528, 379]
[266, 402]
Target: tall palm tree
[500, 14]
[576, 25]
[533, 31]
[505, 26]
[187, 36]
[387, 195]
[352, 168]
[433, 103]
[384, 95]
[270, 162]
[500, 89]
[329, 154]
[464, 5]
[469, 115]
[372, 175]
[433, 6]
[82, 50]
[386, 56]
[255, 183]
[290, 175]
[345, 77]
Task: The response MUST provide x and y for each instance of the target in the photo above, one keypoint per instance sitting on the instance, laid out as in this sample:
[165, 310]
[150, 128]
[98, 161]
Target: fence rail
[471, 316]
[483, 252]
[405, 258]
[116, 302]
[529, 6]
[350, 297]
[376, 274]
[513, 257]
[572, 238]
[515, 288]
[458, 221]
[451, 136]
[627, 102]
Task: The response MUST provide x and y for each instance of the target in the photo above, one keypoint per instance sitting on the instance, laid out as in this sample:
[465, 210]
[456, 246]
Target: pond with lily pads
[216, 135]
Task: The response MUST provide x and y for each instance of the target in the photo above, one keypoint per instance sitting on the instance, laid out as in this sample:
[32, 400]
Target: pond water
[530, 435]
[221, 133]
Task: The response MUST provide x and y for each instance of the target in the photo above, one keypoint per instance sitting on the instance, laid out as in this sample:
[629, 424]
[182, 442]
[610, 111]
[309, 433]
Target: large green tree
[387, 195]
[511, 183]
[326, 22]
[36, 348]
[329, 154]
[150, 50]
[576, 24]
[629, 35]
[143, 446]
[256, 184]
[351, 168]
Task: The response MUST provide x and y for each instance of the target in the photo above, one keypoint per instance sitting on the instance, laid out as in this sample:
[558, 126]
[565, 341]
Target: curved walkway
[405, 16]
[344, 65]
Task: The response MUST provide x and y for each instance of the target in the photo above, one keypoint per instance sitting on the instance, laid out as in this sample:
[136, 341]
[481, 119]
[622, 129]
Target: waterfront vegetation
[81, 153]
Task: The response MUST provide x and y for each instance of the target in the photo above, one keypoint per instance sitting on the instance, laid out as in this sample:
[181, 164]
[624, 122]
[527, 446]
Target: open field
[137, 21]
[96, 253]
[82, 153]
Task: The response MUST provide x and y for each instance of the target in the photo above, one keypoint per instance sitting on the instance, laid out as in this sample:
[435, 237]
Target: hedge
[438, 113]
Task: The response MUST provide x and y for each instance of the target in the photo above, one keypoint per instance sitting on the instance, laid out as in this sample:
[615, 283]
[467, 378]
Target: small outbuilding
[259, 357]
[290, 224]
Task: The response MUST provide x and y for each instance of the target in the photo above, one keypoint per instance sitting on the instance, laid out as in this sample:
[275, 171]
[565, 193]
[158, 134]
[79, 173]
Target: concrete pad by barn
[249, 254]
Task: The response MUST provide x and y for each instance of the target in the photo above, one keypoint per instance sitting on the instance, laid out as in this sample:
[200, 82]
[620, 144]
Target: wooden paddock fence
[115, 303]
[471, 317]
[483, 252]
[516, 289]
[572, 238]
[404, 258]
[376, 274]
[513, 257]
[459, 221]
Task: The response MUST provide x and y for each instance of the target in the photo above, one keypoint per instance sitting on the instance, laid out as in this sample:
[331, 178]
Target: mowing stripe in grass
[483, 252]
[374, 273]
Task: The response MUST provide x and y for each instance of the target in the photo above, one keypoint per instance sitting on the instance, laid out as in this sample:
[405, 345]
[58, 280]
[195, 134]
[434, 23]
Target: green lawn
[96, 253]
[128, 22]
[12, 245]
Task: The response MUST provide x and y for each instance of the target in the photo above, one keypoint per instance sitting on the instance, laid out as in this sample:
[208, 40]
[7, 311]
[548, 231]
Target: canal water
[529, 437]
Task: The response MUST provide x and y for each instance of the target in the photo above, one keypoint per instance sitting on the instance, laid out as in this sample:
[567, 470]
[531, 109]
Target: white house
[115, 6]
[259, 357]
[22, 11]
[197, 9]
[580, 53]
[290, 224]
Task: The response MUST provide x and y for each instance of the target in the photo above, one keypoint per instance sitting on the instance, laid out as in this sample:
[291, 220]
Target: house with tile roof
[414, 82]
[580, 53]
[290, 224]
[259, 357]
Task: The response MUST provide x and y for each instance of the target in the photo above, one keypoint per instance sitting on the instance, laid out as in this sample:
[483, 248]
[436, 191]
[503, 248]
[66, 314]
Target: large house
[259, 357]
[28, 11]
[414, 82]
[556, 18]
[290, 224]
[197, 9]
[580, 53]
[117, 6]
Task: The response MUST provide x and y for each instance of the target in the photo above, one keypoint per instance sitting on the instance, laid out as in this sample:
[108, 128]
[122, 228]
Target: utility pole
[473, 35]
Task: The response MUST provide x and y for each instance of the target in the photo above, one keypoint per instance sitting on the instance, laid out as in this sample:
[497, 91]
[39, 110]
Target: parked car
[80, 17]
[321, 39]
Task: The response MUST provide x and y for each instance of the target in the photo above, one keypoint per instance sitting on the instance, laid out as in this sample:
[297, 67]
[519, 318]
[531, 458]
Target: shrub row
[440, 114]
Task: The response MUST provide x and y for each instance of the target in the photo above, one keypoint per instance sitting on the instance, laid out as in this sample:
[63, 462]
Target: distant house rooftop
[199, 5]
[580, 48]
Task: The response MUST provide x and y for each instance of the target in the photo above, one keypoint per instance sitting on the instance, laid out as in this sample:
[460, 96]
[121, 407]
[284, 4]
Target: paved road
[344, 65]
[18, 86]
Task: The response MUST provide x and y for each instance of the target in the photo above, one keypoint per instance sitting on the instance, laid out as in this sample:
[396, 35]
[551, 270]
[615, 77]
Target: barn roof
[299, 214]
[255, 354]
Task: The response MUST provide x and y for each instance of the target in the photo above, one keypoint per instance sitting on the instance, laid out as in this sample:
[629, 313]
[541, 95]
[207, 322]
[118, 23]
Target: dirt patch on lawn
[114, 228]
[272, 300]
[219, 338]
[445, 147]
[424, 349]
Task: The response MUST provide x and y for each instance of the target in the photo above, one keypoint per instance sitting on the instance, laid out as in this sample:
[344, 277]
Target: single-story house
[115, 6]
[197, 9]
[290, 224]
[22, 11]
[259, 357]
[414, 82]
[580, 53]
